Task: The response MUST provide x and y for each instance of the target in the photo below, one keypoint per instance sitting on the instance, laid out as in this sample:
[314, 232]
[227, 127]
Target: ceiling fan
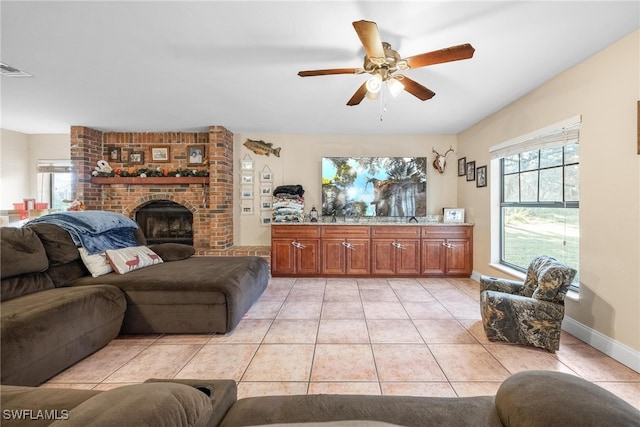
[382, 62]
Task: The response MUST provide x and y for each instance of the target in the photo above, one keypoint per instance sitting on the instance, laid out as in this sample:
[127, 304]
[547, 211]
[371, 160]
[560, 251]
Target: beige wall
[19, 154]
[300, 163]
[604, 90]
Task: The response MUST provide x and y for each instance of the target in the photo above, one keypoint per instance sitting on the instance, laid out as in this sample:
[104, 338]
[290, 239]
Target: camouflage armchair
[528, 312]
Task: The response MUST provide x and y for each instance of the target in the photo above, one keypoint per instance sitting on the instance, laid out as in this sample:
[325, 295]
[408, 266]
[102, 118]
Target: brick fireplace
[209, 199]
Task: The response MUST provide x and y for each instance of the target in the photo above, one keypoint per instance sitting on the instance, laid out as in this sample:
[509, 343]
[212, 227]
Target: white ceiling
[183, 66]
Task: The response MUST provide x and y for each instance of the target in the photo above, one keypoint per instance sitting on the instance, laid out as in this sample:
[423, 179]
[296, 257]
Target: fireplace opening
[164, 221]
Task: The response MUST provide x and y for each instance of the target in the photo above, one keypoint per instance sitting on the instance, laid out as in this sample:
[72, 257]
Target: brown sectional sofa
[54, 313]
[530, 398]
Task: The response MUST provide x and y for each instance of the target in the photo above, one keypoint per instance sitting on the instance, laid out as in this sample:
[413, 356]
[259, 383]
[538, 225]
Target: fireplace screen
[165, 221]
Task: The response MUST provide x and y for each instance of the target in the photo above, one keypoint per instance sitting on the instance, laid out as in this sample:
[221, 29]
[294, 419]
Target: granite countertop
[368, 222]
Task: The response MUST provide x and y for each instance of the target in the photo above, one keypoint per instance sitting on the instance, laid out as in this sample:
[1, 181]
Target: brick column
[221, 187]
[86, 150]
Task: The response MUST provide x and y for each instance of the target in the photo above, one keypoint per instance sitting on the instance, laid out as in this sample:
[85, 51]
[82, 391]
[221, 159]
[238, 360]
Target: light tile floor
[419, 337]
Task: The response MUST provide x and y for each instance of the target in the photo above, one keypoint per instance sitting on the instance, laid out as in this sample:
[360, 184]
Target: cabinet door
[434, 256]
[333, 257]
[458, 257]
[383, 257]
[283, 257]
[307, 256]
[407, 254]
[358, 255]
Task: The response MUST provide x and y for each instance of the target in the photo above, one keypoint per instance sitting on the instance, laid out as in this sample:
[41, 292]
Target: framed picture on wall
[462, 166]
[195, 155]
[114, 154]
[471, 171]
[265, 220]
[481, 176]
[246, 210]
[136, 158]
[160, 154]
[246, 193]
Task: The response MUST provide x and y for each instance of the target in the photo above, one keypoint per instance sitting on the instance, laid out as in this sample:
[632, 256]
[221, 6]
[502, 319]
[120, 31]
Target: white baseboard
[612, 348]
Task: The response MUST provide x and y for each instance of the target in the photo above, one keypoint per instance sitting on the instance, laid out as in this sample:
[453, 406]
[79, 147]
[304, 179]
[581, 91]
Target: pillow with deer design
[126, 260]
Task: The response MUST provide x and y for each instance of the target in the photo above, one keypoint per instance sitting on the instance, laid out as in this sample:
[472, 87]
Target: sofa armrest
[488, 283]
[222, 393]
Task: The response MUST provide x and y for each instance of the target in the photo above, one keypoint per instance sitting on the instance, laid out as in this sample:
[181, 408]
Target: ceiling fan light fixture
[395, 87]
[374, 84]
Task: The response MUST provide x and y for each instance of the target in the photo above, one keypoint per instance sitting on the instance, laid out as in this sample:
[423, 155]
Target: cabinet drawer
[296, 231]
[446, 232]
[345, 231]
[395, 232]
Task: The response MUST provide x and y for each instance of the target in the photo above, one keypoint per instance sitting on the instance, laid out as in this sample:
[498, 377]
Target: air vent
[9, 71]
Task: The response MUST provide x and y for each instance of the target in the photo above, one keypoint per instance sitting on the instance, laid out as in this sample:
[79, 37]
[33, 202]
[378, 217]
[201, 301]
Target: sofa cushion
[46, 332]
[554, 281]
[148, 404]
[547, 398]
[24, 284]
[173, 251]
[97, 264]
[22, 252]
[126, 260]
[57, 243]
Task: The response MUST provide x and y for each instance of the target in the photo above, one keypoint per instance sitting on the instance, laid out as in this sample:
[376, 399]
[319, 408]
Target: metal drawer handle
[447, 245]
[298, 245]
[397, 245]
[349, 246]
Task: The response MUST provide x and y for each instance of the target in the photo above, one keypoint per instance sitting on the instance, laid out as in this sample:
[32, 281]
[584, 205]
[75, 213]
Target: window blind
[53, 166]
[563, 133]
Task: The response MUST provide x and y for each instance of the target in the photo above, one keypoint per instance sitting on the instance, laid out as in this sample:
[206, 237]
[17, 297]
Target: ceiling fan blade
[370, 38]
[454, 53]
[310, 73]
[359, 95]
[415, 88]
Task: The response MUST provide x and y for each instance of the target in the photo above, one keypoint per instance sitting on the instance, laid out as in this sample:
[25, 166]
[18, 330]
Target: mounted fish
[262, 148]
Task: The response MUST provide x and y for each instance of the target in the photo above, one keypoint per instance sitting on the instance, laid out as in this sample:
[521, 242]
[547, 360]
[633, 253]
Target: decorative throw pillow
[554, 280]
[133, 258]
[536, 267]
[97, 264]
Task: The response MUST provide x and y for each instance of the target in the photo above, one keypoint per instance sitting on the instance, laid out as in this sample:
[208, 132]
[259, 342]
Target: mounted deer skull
[440, 160]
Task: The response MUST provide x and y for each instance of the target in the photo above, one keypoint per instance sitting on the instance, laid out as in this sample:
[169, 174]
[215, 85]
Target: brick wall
[211, 203]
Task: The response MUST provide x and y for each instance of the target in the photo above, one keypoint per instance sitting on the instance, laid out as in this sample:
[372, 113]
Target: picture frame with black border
[161, 154]
[471, 171]
[462, 166]
[455, 215]
[136, 157]
[481, 176]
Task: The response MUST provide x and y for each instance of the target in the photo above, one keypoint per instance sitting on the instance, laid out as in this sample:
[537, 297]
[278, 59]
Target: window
[539, 200]
[54, 183]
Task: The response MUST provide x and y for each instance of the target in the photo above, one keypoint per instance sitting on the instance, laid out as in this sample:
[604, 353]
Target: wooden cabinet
[395, 250]
[295, 250]
[371, 250]
[447, 251]
[345, 250]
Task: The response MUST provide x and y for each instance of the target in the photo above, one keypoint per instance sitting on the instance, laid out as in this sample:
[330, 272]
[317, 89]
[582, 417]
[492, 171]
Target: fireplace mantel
[167, 180]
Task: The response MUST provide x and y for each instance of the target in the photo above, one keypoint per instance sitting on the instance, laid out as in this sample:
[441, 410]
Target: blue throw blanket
[96, 231]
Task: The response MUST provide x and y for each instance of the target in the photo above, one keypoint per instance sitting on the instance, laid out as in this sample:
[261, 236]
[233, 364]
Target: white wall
[19, 154]
[300, 163]
[604, 90]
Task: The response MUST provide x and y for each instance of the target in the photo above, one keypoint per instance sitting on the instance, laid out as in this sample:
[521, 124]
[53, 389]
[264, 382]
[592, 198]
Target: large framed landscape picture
[374, 186]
